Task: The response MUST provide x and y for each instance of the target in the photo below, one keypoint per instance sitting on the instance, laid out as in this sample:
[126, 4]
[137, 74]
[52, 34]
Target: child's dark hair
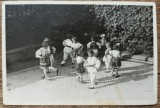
[80, 53]
[69, 36]
[115, 47]
[90, 51]
[93, 38]
[75, 38]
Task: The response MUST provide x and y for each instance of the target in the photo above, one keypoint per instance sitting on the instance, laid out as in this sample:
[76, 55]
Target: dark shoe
[73, 66]
[43, 76]
[96, 83]
[116, 76]
[83, 82]
[91, 87]
[49, 71]
[63, 64]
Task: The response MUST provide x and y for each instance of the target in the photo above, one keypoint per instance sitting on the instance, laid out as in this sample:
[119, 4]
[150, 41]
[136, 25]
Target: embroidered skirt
[45, 61]
[80, 67]
[116, 62]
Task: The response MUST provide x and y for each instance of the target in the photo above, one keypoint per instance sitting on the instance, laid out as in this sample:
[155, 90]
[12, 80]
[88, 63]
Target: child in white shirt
[116, 62]
[107, 60]
[107, 57]
[43, 55]
[91, 63]
[67, 51]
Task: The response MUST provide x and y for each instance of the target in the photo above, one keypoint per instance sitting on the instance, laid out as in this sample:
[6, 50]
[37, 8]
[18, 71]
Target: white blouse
[91, 60]
[115, 53]
[43, 51]
[67, 42]
[76, 45]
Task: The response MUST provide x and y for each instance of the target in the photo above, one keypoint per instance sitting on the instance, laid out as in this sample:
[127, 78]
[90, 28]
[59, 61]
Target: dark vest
[94, 45]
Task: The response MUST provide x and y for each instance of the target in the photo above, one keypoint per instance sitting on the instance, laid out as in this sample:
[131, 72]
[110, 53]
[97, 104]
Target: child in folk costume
[67, 43]
[116, 62]
[92, 64]
[103, 44]
[76, 46]
[94, 46]
[80, 65]
[44, 55]
[107, 60]
[107, 57]
[51, 55]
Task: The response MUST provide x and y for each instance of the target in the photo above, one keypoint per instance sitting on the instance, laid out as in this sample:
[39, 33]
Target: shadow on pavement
[137, 73]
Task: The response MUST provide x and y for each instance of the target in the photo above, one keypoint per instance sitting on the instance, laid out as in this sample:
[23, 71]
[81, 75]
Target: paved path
[134, 86]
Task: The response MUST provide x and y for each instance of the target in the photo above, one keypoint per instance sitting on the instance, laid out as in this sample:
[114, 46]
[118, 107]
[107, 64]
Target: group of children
[76, 51]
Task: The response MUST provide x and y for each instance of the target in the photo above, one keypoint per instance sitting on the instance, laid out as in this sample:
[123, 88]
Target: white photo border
[4, 76]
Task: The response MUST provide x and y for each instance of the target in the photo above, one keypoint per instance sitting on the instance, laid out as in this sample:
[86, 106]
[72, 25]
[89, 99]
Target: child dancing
[43, 55]
[52, 51]
[107, 57]
[76, 46]
[80, 66]
[92, 64]
[116, 62]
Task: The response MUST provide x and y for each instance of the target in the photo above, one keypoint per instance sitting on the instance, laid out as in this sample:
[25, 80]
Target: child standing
[80, 65]
[107, 57]
[91, 66]
[116, 62]
[107, 60]
[94, 46]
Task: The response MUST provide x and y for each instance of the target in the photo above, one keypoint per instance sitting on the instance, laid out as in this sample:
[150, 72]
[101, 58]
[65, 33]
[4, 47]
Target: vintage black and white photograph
[79, 53]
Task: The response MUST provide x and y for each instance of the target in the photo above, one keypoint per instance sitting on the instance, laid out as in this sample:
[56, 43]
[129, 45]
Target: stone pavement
[135, 86]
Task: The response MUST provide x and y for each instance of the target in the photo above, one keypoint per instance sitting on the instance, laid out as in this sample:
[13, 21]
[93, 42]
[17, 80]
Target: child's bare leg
[45, 73]
[78, 76]
[117, 70]
[92, 80]
[112, 72]
[81, 79]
